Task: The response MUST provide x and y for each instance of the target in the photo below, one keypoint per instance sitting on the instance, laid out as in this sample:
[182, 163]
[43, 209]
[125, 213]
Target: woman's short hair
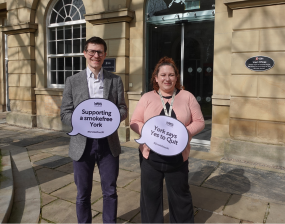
[165, 61]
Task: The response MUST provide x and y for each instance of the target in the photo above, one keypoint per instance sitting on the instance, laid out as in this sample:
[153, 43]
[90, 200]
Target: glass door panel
[198, 63]
[163, 40]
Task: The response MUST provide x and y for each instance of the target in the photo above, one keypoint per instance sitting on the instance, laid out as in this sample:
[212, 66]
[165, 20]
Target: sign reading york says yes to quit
[164, 135]
[95, 118]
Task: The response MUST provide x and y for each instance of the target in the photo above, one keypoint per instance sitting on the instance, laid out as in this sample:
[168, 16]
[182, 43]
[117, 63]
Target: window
[66, 40]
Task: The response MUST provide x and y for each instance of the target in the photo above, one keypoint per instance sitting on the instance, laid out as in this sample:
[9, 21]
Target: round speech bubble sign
[95, 118]
[164, 135]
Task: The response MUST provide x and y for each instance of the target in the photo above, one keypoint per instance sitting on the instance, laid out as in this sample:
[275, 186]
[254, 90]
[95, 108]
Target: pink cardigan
[185, 106]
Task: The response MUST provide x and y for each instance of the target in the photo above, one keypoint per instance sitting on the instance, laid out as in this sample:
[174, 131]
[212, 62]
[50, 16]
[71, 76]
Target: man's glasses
[93, 52]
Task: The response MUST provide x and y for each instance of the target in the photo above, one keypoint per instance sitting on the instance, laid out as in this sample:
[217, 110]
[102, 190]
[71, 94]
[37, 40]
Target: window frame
[49, 56]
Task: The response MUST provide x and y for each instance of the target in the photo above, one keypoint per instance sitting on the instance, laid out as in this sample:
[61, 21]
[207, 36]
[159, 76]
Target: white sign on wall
[95, 118]
[164, 135]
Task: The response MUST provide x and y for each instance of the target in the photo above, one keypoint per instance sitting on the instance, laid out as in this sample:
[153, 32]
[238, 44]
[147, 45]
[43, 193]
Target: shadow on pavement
[234, 181]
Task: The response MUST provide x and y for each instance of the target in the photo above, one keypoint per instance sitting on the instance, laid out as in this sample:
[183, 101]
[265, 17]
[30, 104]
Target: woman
[169, 99]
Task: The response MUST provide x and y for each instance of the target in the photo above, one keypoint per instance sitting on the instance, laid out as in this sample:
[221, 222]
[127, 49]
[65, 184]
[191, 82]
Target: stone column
[2, 71]
[113, 27]
[221, 78]
[20, 29]
[22, 79]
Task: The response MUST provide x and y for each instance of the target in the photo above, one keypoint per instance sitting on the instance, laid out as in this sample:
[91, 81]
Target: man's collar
[89, 73]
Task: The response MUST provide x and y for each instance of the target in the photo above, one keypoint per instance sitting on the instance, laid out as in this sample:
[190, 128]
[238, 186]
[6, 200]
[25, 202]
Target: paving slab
[129, 159]
[269, 168]
[276, 213]
[6, 133]
[208, 217]
[33, 152]
[98, 219]
[25, 211]
[200, 148]
[136, 219]
[60, 150]
[130, 144]
[135, 185]
[43, 221]
[36, 167]
[246, 208]
[40, 156]
[49, 144]
[126, 177]
[60, 211]
[265, 185]
[94, 213]
[52, 180]
[12, 128]
[53, 161]
[26, 140]
[96, 174]
[128, 204]
[209, 199]
[130, 162]
[199, 170]
[67, 168]
[46, 198]
[69, 192]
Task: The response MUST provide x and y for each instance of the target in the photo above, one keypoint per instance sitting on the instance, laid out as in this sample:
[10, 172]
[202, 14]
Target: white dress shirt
[95, 86]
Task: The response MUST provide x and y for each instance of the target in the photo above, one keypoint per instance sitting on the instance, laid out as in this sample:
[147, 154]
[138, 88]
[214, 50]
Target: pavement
[37, 184]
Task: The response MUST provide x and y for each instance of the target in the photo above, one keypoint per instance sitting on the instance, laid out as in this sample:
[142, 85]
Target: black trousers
[179, 196]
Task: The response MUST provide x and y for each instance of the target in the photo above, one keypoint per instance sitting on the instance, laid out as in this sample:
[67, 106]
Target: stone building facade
[41, 45]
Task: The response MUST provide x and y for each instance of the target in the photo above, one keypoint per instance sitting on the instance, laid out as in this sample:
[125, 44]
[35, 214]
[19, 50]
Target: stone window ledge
[49, 91]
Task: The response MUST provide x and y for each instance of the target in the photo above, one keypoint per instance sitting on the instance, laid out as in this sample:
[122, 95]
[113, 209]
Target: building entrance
[184, 31]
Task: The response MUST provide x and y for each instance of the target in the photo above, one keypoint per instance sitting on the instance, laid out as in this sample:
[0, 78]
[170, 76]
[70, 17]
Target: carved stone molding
[239, 4]
[123, 15]
[20, 28]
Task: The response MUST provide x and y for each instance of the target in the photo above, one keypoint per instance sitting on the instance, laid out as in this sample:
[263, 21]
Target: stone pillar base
[124, 134]
[2, 108]
[272, 155]
[21, 119]
[218, 145]
[53, 123]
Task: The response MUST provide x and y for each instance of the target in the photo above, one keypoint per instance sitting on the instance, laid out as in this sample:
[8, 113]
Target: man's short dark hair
[95, 40]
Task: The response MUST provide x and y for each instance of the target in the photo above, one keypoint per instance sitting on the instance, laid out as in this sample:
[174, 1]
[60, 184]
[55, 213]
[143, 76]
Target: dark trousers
[179, 196]
[96, 151]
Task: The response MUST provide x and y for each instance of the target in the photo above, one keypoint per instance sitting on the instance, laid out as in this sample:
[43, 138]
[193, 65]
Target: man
[94, 82]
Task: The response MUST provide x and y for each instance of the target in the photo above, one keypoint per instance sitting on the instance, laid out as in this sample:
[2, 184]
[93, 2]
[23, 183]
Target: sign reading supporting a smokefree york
[164, 135]
[95, 118]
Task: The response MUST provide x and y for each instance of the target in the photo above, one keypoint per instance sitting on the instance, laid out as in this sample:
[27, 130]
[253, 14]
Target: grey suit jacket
[76, 91]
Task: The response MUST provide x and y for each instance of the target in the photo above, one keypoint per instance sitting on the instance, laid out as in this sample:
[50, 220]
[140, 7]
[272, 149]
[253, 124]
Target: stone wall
[256, 123]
